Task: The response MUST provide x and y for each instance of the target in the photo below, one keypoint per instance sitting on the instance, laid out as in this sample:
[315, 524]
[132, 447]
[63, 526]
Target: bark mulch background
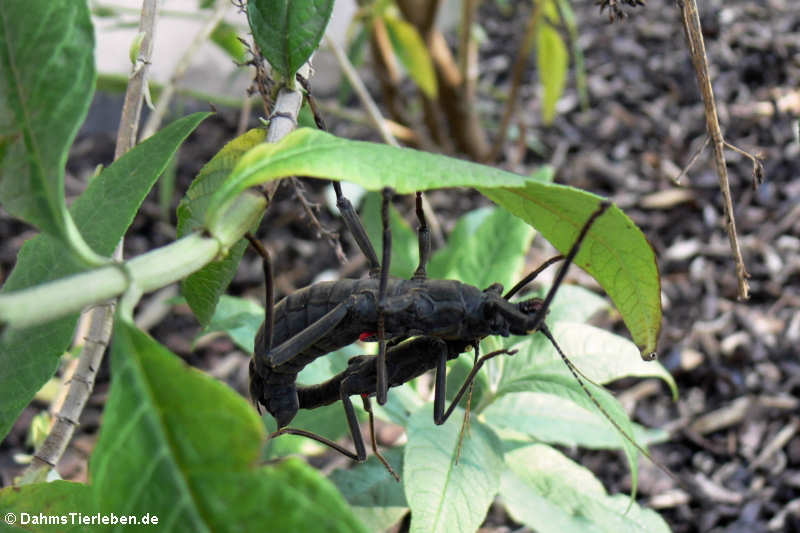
[734, 430]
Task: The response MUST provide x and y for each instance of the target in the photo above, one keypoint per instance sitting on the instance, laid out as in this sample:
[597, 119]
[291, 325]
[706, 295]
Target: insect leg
[322, 440]
[307, 337]
[381, 458]
[424, 235]
[440, 417]
[562, 272]
[382, 381]
[269, 298]
[356, 228]
[351, 220]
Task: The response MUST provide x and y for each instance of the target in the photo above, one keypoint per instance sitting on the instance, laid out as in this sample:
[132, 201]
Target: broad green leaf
[615, 251]
[413, 53]
[319, 154]
[568, 388]
[487, 246]
[600, 355]
[28, 358]
[226, 37]
[550, 419]
[552, 61]
[161, 450]
[58, 498]
[374, 495]
[203, 289]
[445, 496]
[287, 32]
[240, 318]
[47, 79]
[405, 245]
[549, 493]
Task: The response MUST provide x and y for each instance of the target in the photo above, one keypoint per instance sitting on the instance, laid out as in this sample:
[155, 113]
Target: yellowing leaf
[552, 60]
[412, 52]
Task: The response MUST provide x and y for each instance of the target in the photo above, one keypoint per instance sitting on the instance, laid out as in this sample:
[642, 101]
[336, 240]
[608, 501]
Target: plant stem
[101, 317]
[517, 70]
[150, 271]
[155, 118]
[697, 49]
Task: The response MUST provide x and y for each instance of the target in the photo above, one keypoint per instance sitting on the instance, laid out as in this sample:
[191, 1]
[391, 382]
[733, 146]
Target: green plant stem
[99, 320]
[150, 271]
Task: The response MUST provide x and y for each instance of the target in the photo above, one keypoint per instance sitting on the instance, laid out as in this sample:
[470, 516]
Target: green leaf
[488, 245]
[319, 154]
[240, 318]
[288, 32]
[226, 37]
[615, 252]
[552, 60]
[405, 245]
[58, 498]
[47, 80]
[549, 493]
[572, 303]
[413, 53]
[446, 496]
[203, 289]
[549, 418]
[374, 496]
[567, 387]
[600, 355]
[103, 213]
[177, 463]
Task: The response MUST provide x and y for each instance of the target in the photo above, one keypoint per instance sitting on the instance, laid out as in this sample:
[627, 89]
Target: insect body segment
[326, 316]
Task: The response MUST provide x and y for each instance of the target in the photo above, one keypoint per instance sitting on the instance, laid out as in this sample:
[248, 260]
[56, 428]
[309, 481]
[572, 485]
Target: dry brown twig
[691, 24]
[80, 384]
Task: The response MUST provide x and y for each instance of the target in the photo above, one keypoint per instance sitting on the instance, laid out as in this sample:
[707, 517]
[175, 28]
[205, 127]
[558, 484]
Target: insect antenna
[578, 375]
[530, 277]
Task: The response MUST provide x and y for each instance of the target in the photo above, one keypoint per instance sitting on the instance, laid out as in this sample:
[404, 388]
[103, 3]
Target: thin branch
[517, 71]
[155, 118]
[101, 317]
[380, 124]
[283, 119]
[361, 91]
[697, 49]
[467, 47]
[677, 180]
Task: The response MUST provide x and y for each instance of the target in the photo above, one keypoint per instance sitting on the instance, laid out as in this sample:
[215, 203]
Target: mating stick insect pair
[419, 324]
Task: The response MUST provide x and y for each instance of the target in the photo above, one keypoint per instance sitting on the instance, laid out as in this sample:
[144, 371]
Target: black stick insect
[324, 317]
[448, 315]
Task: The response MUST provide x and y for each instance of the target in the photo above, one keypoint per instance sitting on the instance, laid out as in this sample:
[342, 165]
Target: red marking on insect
[367, 336]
